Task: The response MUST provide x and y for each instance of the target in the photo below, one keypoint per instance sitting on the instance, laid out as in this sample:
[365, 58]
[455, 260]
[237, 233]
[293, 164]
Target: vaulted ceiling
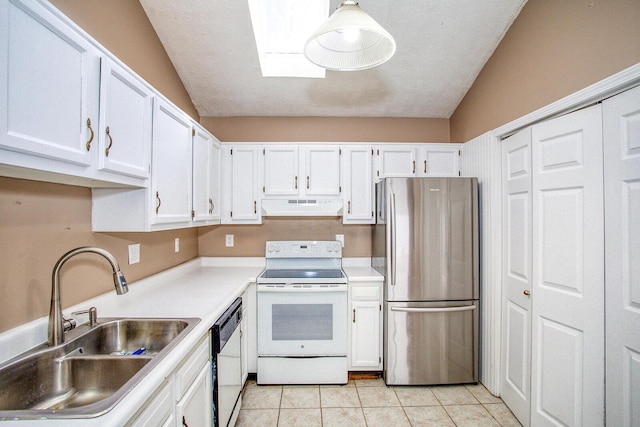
[442, 45]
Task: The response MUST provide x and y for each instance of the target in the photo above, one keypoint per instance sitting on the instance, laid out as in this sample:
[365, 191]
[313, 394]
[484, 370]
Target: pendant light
[349, 40]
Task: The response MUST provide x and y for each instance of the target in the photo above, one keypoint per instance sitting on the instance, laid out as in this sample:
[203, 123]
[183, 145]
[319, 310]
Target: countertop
[203, 288]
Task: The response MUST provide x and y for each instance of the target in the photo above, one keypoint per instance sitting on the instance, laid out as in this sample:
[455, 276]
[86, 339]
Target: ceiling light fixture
[349, 40]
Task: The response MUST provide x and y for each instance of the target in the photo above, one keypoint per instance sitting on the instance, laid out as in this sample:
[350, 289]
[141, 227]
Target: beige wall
[122, 27]
[41, 222]
[553, 49]
[249, 240]
[333, 129]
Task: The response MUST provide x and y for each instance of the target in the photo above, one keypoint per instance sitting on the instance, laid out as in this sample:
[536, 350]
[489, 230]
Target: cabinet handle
[210, 206]
[354, 315]
[184, 421]
[92, 135]
[296, 182]
[526, 292]
[158, 202]
[307, 182]
[425, 166]
[106, 151]
[255, 207]
[414, 166]
[349, 207]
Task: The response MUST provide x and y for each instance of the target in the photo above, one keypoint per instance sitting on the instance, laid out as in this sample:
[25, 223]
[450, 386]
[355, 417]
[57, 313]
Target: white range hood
[301, 207]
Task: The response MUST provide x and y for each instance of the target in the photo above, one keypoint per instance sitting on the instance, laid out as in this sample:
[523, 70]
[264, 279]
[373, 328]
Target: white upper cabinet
[411, 160]
[49, 85]
[281, 166]
[438, 160]
[240, 183]
[206, 177]
[301, 170]
[50, 104]
[322, 170]
[396, 160]
[125, 122]
[171, 165]
[358, 184]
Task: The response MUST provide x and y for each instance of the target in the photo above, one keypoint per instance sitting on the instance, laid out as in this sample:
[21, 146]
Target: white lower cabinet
[159, 411]
[365, 304]
[194, 409]
[186, 398]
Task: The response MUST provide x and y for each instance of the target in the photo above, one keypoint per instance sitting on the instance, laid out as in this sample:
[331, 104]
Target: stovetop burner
[301, 261]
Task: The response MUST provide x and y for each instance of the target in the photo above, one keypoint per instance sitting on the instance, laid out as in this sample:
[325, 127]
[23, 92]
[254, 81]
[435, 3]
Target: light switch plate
[134, 253]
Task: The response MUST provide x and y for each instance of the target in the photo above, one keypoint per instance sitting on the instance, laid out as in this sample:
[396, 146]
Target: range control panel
[304, 249]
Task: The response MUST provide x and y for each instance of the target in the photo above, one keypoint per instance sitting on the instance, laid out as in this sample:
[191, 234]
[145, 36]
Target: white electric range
[302, 314]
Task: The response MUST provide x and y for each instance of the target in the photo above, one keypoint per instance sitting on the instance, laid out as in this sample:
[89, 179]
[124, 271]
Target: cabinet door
[206, 176]
[280, 170]
[395, 160]
[365, 334]
[159, 411]
[125, 122]
[439, 160]
[244, 185]
[194, 409]
[171, 166]
[322, 168]
[359, 190]
[567, 311]
[49, 82]
[622, 252]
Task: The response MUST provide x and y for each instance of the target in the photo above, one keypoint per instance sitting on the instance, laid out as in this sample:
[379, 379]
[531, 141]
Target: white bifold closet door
[622, 260]
[553, 299]
[516, 278]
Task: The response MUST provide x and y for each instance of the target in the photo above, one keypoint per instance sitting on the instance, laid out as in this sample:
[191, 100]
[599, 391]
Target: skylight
[281, 28]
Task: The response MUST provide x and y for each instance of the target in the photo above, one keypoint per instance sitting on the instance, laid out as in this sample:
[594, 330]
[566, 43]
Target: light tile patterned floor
[371, 403]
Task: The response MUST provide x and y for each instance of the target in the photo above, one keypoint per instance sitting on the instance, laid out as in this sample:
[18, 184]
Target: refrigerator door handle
[392, 227]
[434, 310]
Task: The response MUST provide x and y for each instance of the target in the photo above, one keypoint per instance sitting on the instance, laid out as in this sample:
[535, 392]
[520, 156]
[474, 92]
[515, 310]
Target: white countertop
[203, 288]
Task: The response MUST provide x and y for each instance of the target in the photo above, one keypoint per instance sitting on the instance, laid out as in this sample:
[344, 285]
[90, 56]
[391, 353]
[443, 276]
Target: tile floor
[371, 403]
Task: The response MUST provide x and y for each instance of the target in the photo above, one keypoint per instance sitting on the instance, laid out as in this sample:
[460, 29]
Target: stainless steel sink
[91, 372]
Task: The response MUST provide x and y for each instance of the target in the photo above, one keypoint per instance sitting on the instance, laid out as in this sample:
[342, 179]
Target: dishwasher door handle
[434, 310]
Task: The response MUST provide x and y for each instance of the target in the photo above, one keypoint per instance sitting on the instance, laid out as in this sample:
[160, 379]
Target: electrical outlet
[177, 244]
[340, 238]
[229, 241]
[134, 253]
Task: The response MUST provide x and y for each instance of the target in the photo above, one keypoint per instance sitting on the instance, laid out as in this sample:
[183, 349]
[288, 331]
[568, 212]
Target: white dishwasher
[227, 366]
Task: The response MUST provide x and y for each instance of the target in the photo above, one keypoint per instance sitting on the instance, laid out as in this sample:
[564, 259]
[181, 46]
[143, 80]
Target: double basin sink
[91, 372]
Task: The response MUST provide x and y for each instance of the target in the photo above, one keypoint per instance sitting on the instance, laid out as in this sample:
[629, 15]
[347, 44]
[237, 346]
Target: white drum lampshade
[349, 40]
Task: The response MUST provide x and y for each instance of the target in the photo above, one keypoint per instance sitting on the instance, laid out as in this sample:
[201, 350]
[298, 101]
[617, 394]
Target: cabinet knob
[526, 292]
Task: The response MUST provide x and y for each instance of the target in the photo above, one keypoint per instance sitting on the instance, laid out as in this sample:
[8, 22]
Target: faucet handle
[93, 315]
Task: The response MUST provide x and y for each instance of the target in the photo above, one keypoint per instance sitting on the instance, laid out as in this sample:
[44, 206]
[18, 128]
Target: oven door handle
[292, 289]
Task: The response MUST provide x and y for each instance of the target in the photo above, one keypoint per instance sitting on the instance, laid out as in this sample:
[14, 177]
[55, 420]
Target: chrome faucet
[57, 323]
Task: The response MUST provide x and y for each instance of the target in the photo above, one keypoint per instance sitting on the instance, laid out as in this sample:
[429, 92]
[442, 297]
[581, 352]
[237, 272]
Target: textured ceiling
[441, 47]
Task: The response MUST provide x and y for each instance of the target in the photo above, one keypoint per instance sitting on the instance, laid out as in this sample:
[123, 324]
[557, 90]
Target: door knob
[526, 292]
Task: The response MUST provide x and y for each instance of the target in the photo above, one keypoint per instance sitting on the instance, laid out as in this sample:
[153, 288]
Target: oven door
[302, 320]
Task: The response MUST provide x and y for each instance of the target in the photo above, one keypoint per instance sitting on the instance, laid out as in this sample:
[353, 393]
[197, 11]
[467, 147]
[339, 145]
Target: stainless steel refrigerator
[425, 243]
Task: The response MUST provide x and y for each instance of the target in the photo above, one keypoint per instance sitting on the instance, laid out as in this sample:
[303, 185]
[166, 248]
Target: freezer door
[431, 239]
[431, 343]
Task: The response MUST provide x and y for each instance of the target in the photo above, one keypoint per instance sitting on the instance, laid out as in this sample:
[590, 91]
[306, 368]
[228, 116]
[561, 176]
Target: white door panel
[516, 320]
[622, 204]
[567, 271]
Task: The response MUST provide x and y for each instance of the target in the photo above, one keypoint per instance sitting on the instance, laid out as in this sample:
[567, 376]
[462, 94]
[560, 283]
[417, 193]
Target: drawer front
[189, 370]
